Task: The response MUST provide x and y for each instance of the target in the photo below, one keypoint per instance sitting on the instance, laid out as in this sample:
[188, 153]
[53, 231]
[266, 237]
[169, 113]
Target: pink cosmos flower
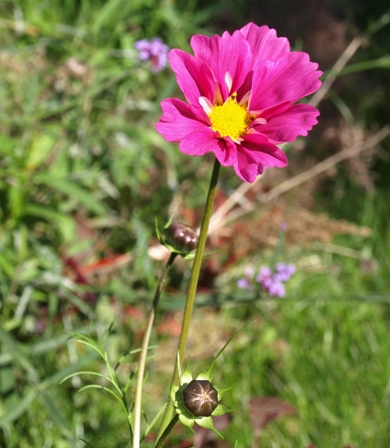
[241, 91]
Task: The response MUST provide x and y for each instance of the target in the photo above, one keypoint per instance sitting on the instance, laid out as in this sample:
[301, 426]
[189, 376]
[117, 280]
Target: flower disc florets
[230, 119]
[242, 92]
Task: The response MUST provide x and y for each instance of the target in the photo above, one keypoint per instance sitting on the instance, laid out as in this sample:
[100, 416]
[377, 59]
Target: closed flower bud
[197, 400]
[200, 398]
[181, 237]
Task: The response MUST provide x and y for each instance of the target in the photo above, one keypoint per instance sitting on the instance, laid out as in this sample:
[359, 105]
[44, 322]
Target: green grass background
[86, 148]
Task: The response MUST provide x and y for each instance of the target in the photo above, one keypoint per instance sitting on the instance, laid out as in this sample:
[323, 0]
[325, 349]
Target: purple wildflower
[249, 271]
[273, 282]
[284, 271]
[283, 226]
[265, 275]
[276, 288]
[246, 282]
[155, 51]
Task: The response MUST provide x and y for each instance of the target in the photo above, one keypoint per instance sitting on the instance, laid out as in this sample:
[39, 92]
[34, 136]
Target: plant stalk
[192, 287]
[168, 429]
[143, 354]
[193, 283]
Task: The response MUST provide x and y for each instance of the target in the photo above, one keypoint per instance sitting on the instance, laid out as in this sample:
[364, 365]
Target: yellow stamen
[230, 119]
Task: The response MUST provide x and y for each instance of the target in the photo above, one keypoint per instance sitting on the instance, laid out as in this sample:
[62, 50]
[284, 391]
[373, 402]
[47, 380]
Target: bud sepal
[178, 238]
[204, 380]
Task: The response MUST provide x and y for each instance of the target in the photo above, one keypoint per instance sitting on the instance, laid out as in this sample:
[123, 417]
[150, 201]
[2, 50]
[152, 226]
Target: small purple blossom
[284, 271]
[283, 226]
[264, 275]
[276, 288]
[249, 272]
[246, 282]
[154, 50]
[271, 282]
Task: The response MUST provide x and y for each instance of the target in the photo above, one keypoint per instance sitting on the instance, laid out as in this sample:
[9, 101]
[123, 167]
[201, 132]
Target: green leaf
[131, 352]
[88, 444]
[173, 392]
[95, 374]
[18, 408]
[187, 422]
[155, 420]
[7, 144]
[87, 340]
[207, 422]
[222, 390]
[66, 224]
[81, 304]
[70, 189]
[32, 375]
[97, 386]
[7, 380]
[41, 146]
[383, 62]
[207, 374]
[42, 347]
[59, 376]
[186, 377]
[6, 266]
[55, 413]
[221, 410]
[158, 233]
[344, 110]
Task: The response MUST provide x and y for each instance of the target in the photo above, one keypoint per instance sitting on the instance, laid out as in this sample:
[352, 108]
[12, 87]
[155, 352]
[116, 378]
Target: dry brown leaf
[263, 410]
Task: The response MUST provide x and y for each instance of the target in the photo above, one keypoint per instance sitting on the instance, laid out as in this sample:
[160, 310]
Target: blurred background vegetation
[83, 174]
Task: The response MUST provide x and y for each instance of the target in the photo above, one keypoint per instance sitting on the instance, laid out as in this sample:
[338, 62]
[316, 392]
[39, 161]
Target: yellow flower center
[230, 119]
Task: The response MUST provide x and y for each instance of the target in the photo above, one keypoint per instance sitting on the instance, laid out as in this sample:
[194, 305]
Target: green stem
[168, 429]
[193, 284]
[143, 354]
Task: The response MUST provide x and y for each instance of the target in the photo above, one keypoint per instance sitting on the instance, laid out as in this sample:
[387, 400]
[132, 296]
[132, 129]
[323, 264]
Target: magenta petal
[194, 77]
[179, 119]
[254, 154]
[226, 151]
[206, 140]
[224, 54]
[247, 171]
[273, 111]
[199, 142]
[264, 43]
[190, 126]
[290, 78]
[285, 127]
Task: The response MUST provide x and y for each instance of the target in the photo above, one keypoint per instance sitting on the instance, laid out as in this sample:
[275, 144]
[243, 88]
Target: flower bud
[181, 237]
[200, 398]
